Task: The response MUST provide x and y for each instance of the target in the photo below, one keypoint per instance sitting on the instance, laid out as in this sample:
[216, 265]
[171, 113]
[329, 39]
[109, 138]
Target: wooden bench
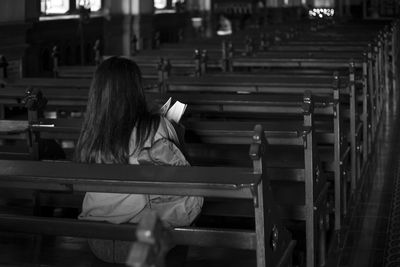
[258, 84]
[337, 169]
[375, 95]
[182, 56]
[295, 107]
[15, 130]
[78, 98]
[66, 131]
[269, 239]
[76, 83]
[231, 104]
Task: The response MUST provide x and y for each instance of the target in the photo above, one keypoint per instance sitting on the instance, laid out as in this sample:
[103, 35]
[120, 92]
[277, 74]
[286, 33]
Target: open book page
[176, 111]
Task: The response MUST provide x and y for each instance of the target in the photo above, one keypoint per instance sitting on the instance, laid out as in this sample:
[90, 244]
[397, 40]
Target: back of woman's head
[116, 103]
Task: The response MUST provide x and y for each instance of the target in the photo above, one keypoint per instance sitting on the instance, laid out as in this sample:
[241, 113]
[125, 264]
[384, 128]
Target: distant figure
[225, 26]
[119, 128]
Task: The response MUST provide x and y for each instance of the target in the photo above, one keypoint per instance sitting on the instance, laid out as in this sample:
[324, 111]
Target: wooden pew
[365, 124]
[329, 62]
[224, 182]
[213, 84]
[64, 132]
[212, 103]
[79, 99]
[52, 83]
[381, 55]
[15, 131]
[153, 64]
[231, 108]
[360, 81]
[257, 84]
[182, 56]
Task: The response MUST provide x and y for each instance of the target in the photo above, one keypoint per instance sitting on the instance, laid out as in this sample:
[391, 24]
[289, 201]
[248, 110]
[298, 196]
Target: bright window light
[54, 6]
[94, 5]
[321, 12]
[160, 4]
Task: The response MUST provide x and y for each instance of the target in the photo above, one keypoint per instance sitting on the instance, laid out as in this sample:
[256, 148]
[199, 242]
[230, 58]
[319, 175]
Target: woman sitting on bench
[119, 128]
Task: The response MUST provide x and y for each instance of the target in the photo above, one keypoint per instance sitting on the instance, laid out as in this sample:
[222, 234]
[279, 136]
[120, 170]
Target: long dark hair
[116, 105]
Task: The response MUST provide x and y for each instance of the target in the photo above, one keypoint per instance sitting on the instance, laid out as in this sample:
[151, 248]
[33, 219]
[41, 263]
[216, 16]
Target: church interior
[289, 116]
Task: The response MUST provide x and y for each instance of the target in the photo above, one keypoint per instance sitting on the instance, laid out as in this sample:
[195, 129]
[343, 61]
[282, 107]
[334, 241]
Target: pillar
[127, 18]
[15, 18]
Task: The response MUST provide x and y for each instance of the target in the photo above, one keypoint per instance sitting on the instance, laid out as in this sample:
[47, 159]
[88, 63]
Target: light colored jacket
[174, 211]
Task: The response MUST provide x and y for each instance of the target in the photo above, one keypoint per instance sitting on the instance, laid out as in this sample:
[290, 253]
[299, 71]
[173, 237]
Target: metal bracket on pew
[160, 67]
[134, 42]
[224, 59]
[197, 63]
[287, 36]
[34, 102]
[293, 32]
[55, 54]
[97, 52]
[180, 35]
[227, 56]
[203, 64]
[308, 110]
[336, 93]
[164, 71]
[257, 150]
[263, 42]
[4, 65]
[230, 56]
[156, 40]
[249, 46]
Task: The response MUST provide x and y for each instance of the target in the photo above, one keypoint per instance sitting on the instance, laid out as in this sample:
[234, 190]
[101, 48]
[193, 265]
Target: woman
[119, 128]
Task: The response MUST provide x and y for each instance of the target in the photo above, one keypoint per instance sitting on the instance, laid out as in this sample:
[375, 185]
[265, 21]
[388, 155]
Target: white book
[174, 112]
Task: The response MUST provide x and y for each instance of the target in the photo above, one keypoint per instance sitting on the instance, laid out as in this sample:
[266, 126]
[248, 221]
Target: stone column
[15, 18]
[124, 19]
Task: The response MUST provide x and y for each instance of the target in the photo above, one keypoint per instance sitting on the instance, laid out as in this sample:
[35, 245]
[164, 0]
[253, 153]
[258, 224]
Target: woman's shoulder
[166, 130]
[161, 128]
